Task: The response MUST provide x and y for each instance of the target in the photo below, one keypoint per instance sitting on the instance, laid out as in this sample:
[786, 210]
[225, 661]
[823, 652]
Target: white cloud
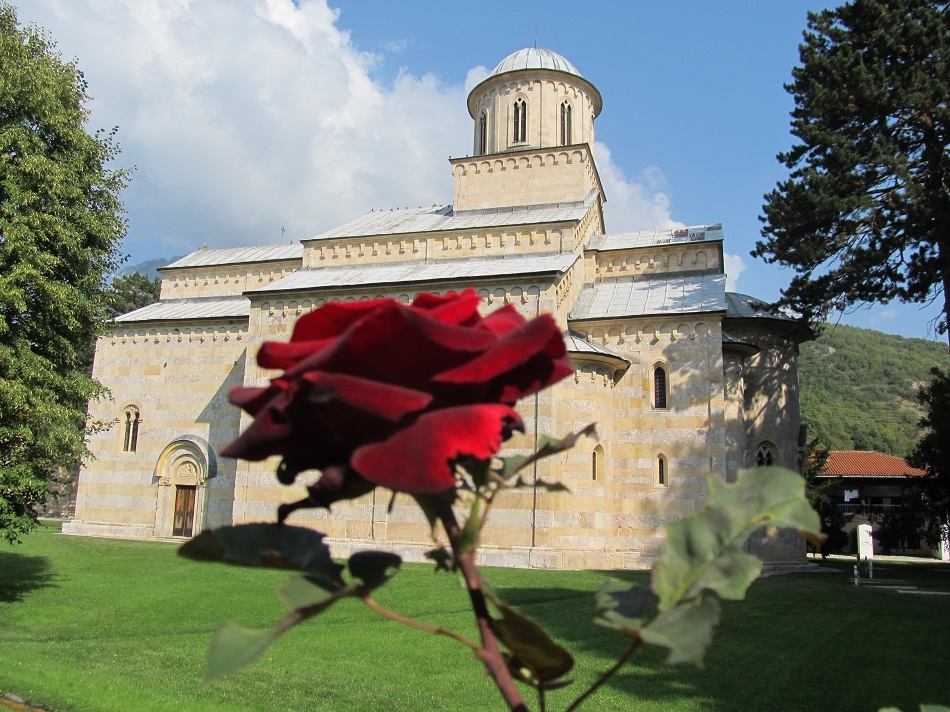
[734, 267]
[632, 204]
[247, 116]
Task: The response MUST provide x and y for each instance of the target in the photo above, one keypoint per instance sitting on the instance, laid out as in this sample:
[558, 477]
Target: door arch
[182, 471]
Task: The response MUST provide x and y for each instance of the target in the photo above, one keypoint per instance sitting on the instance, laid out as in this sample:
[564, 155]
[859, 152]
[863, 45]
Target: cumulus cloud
[734, 267]
[632, 205]
[249, 116]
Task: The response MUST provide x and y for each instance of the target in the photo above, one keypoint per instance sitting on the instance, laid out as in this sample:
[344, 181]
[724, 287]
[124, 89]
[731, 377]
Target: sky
[252, 122]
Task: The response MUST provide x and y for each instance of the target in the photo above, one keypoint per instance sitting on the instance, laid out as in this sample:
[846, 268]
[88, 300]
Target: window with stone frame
[566, 123]
[597, 463]
[764, 455]
[483, 133]
[520, 121]
[661, 385]
[662, 472]
[130, 437]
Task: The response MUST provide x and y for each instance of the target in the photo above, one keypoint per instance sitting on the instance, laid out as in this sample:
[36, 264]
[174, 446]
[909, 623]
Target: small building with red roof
[872, 486]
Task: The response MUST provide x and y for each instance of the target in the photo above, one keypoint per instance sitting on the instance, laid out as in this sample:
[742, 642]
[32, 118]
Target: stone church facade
[683, 378]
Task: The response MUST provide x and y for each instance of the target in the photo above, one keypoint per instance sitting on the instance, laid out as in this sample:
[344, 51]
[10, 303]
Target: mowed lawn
[96, 625]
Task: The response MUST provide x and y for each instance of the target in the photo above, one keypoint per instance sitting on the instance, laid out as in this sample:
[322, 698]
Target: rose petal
[382, 399]
[503, 320]
[511, 350]
[282, 354]
[459, 309]
[333, 318]
[418, 459]
[252, 400]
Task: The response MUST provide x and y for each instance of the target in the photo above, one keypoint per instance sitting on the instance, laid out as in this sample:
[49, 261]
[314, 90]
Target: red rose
[379, 393]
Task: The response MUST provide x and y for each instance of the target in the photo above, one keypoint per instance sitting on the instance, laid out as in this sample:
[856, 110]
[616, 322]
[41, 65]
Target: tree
[129, 292]
[822, 496]
[865, 213]
[60, 227]
[932, 454]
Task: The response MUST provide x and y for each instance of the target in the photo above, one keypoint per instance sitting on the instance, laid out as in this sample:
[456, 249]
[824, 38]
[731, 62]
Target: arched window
[565, 124]
[597, 463]
[660, 388]
[483, 133]
[131, 438]
[520, 128]
[662, 471]
[764, 456]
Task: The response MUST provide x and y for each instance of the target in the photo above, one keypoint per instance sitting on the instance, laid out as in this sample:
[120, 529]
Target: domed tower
[534, 136]
[534, 98]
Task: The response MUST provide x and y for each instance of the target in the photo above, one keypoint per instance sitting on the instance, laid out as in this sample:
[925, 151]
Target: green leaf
[531, 647]
[374, 568]
[275, 546]
[233, 648]
[704, 551]
[686, 630]
[623, 607]
[301, 592]
[547, 446]
[479, 470]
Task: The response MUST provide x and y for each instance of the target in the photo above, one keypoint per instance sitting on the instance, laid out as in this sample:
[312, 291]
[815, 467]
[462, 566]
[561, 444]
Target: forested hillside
[859, 388]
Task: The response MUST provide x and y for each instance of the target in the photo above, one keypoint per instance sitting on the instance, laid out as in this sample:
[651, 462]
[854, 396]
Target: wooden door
[184, 511]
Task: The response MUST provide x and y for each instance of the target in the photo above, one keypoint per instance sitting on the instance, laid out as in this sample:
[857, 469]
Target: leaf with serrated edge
[233, 648]
[275, 546]
[622, 607]
[691, 561]
[686, 630]
[547, 446]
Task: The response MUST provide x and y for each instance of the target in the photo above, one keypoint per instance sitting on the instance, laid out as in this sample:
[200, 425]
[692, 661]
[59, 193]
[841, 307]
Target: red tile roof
[862, 463]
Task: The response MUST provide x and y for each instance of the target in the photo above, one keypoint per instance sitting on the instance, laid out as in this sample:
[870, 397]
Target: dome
[534, 58]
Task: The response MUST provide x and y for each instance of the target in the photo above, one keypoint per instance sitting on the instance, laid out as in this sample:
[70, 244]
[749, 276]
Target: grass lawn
[96, 625]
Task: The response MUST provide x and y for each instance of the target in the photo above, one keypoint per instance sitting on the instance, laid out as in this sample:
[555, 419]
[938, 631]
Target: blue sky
[249, 116]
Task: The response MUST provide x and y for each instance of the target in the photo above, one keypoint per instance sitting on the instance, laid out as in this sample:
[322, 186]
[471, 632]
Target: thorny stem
[490, 653]
[637, 642]
[391, 614]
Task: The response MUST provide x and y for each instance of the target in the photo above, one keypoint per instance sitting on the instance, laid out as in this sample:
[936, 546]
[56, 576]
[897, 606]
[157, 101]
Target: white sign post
[866, 547]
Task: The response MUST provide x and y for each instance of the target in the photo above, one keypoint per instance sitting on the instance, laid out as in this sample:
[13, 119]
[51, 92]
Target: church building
[683, 378]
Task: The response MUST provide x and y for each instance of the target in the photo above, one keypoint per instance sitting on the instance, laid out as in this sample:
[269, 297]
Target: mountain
[859, 388]
[149, 268]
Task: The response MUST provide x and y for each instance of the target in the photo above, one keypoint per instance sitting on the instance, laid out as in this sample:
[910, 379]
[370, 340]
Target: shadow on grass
[22, 573]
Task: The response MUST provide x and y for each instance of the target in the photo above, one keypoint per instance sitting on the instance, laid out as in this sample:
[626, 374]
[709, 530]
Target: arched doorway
[182, 472]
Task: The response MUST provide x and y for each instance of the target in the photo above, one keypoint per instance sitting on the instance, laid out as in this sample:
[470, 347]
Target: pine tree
[60, 227]
[865, 213]
[129, 292]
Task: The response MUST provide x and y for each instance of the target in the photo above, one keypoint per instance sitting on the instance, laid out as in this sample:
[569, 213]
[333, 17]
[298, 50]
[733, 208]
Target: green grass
[95, 625]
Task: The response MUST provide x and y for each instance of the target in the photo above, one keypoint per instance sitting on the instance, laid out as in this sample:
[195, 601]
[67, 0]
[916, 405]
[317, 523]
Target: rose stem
[490, 653]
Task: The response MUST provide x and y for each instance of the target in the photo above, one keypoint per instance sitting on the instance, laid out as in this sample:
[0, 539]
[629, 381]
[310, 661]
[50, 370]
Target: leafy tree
[865, 213]
[129, 292]
[933, 455]
[822, 496]
[60, 226]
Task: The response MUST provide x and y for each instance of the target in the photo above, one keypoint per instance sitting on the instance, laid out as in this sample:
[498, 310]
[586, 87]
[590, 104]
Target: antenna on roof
[535, 37]
[282, 234]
